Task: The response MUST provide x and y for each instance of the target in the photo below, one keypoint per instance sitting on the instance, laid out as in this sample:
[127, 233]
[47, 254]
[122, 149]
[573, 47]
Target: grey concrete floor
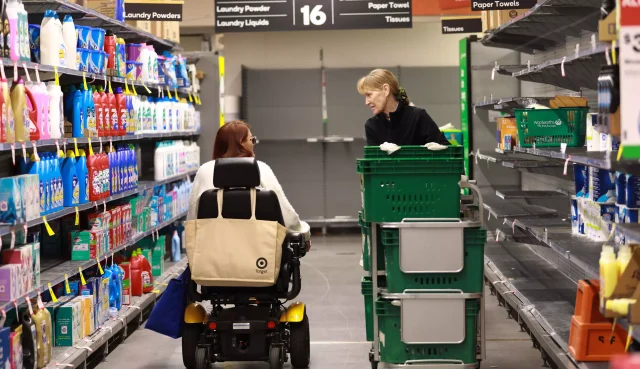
[331, 287]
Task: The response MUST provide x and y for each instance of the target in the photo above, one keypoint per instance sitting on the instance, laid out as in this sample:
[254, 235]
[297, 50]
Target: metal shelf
[515, 194]
[96, 140]
[76, 356]
[546, 25]
[142, 186]
[88, 17]
[68, 75]
[501, 209]
[537, 295]
[70, 268]
[507, 104]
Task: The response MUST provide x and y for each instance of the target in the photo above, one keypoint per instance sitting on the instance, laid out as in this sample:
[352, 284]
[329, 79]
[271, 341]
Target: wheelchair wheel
[190, 338]
[275, 358]
[300, 345]
[202, 358]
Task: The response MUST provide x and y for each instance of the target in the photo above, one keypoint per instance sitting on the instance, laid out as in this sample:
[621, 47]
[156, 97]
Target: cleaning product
[23, 115]
[90, 129]
[70, 38]
[8, 123]
[119, 276]
[106, 112]
[29, 342]
[175, 247]
[121, 108]
[624, 257]
[113, 113]
[33, 112]
[98, 109]
[41, 96]
[121, 57]
[52, 45]
[145, 273]
[119, 12]
[79, 113]
[83, 176]
[16, 347]
[14, 35]
[56, 110]
[70, 180]
[23, 18]
[608, 272]
[42, 321]
[110, 49]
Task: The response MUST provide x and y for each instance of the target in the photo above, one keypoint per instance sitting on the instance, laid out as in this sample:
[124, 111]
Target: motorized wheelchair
[247, 324]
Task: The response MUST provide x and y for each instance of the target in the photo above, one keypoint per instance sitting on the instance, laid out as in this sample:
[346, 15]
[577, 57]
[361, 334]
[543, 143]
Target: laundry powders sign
[153, 10]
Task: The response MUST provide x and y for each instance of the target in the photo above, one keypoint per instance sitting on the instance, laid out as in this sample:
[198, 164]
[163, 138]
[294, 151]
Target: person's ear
[386, 89]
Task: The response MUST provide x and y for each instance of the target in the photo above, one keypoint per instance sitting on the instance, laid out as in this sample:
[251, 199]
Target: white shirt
[204, 182]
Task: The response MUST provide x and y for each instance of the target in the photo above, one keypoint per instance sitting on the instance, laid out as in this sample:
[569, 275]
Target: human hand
[308, 245]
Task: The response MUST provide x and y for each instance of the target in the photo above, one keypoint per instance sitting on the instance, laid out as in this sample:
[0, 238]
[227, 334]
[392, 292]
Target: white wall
[422, 45]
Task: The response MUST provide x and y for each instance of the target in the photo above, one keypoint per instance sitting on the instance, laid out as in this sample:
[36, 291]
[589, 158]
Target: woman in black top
[395, 120]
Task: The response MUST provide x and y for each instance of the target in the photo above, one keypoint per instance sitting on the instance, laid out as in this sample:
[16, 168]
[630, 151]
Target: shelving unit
[534, 267]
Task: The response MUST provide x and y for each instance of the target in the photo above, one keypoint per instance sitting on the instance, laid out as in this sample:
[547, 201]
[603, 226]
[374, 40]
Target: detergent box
[93, 289]
[157, 258]
[84, 245]
[35, 246]
[11, 202]
[103, 300]
[5, 347]
[22, 255]
[69, 323]
[15, 338]
[454, 136]
[11, 282]
[30, 186]
[88, 323]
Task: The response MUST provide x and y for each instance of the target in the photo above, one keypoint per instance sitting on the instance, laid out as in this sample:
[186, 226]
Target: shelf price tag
[2, 70]
[175, 92]
[57, 77]
[37, 72]
[84, 283]
[53, 295]
[26, 71]
[15, 304]
[126, 87]
[146, 88]
[35, 150]
[629, 338]
[13, 239]
[566, 164]
[99, 267]
[75, 144]
[613, 52]
[100, 140]
[110, 89]
[39, 300]
[620, 153]
[29, 305]
[564, 58]
[77, 216]
[90, 147]
[50, 231]
[66, 284]
[13, 153]
[168, 92]
[15, 72]
[84, 80]
[607, 56]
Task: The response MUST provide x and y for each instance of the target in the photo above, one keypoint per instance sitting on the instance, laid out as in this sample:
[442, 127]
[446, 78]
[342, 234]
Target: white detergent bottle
[25, 48]
[50, 39]
[159, 161]
[62, 50]
[56, 114]
[70, 38]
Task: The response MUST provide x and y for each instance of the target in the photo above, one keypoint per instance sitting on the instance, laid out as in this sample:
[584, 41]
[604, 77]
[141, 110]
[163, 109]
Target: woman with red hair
[234, 140]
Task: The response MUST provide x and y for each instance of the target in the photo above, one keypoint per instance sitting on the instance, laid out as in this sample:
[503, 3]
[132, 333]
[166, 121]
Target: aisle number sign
[629, 60]
[298, 15]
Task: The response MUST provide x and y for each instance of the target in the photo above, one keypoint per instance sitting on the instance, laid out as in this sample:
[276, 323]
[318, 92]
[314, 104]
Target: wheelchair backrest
[237, 176]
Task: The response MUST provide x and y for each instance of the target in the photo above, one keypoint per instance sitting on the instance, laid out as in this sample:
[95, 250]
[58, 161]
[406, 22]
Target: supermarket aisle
[331, 289]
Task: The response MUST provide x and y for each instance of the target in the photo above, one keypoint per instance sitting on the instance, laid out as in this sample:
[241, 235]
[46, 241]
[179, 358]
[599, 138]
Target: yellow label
[50, 231]
[84, 80]
[53, 295]
[190, 97]
[100, 267]
[55, 70]
[77, 216]
[66, 284]
[168, 92]
[84, 283]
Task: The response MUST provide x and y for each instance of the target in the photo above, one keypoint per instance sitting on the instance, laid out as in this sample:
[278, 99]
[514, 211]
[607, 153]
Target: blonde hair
[377, 78]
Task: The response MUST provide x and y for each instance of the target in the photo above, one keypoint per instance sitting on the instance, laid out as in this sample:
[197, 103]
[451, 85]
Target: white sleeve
[201, 183]
[291, 218]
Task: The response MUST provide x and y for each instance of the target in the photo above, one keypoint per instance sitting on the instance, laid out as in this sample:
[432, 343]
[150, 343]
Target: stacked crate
[429, 261]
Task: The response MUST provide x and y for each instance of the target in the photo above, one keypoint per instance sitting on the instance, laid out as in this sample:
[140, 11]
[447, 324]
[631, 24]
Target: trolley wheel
[478, 364]
[275, 358]
[374, 364]
[190, 338]
[300, 343]
[202, 358]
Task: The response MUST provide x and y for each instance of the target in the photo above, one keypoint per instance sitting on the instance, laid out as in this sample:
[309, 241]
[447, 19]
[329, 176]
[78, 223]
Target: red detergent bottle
[121, 107]
[136, 274]
[97, 101]
[146, 274]
[106, 112]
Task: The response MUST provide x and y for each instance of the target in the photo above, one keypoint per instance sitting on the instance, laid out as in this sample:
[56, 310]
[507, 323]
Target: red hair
[229, 139]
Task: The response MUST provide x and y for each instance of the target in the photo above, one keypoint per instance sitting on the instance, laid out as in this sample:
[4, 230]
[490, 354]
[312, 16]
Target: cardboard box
[156, 28]
[16, 347]
[141, 25]
[11, 202]
[504, 16]
[88, 323]
[5, 347]
[84, 245]
[23, 256]
[171, 31]
[607, 30]
[106, 7]
[69, 323]
[507, 127]
[10, 282]
[567, 102]
[485, 21]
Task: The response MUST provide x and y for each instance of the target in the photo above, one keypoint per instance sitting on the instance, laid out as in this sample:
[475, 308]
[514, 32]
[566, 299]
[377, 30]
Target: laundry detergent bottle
[79, 114]
[97, 103]
[21, 112]
[121, 107]
[70, 180]
[83, 176]
[52, 47]
[42, 320]
[13, 37]
[70, 38]
[56, 110]
[145, 273]
[90, 129]
[8, 123]
[35, 116]
[29, 344]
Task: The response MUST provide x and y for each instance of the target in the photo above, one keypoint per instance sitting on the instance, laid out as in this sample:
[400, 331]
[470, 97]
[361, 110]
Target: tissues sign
[480, 5]
[153, 10]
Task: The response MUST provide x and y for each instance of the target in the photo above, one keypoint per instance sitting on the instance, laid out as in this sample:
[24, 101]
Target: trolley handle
[430, 291]
[430, 361]
[431, 220]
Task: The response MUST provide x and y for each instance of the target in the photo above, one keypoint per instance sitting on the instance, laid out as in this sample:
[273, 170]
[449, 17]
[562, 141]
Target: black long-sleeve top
[408, 125]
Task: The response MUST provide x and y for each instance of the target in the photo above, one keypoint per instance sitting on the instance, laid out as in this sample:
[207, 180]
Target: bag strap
[220, 203]
[253, 203]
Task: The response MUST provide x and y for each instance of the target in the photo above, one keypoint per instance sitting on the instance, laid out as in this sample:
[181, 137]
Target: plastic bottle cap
[68, 18]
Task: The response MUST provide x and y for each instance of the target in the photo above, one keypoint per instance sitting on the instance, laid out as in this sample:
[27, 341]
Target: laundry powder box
[581, 180]
[454, 136]
[35, 249]
[103, 300]
[15, 339]
[11, 202]
[69, 323]
[83, 245]
[22, 255]
[88, 323]
[5, 347]
[602, 185]
[631, 190]
[93, 287]
[11, 282]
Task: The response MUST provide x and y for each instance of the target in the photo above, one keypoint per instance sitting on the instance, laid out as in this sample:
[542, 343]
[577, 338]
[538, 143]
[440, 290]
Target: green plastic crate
[395, 351]
[393, 190]
[367, 292]
[469, 279]
[414, 152]
[365, 227]
[551, 127]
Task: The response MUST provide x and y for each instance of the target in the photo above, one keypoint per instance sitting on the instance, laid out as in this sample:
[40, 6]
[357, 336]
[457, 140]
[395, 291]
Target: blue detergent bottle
[45, 168]
[175, 247]
[71, 184]
[67, 106]
[113, 170]
[79, 116]
[90, 109]
[83, 176]
[120, 274]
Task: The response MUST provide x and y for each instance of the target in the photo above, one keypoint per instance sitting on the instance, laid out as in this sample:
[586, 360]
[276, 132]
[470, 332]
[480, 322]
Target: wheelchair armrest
[296, 242]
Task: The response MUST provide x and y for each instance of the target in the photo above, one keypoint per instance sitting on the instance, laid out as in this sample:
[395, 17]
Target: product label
[100, 119]
[114, 119]
[43, 198]
[146, 279]
[75, 190]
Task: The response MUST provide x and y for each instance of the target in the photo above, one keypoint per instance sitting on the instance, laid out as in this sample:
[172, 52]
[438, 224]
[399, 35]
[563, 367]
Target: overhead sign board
[153, 10]
[479, 5]
[299, 15]
[461, 25]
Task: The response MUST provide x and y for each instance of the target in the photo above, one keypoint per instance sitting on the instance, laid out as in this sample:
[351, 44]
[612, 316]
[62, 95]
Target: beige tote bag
[234, 252]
